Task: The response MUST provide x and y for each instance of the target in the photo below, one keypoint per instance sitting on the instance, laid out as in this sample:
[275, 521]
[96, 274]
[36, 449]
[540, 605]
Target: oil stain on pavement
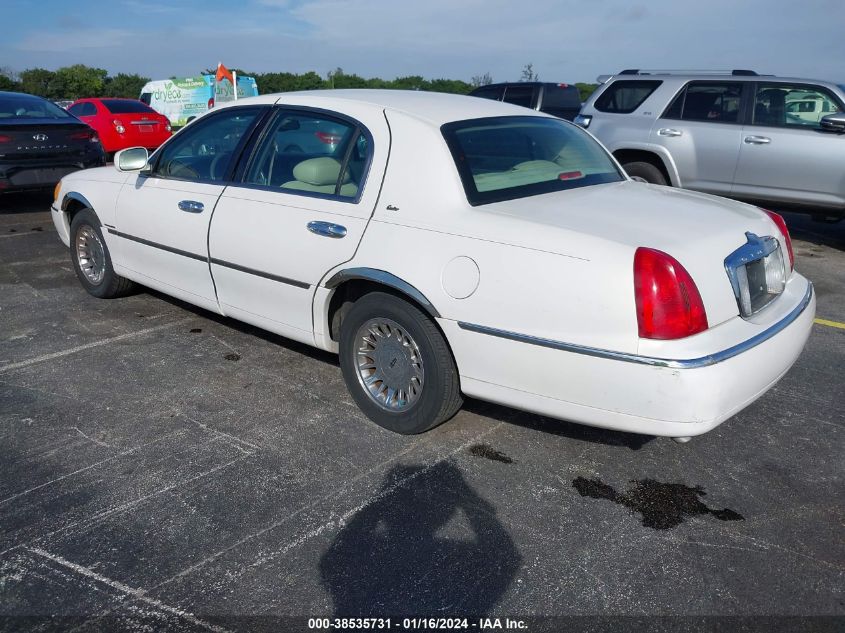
[663, 506]
[485, 450]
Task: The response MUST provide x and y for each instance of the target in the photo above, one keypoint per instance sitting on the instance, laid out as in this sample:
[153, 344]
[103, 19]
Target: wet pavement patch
[232, 356]
[196, 330]
[485, 450]
[663, 506]
[37, 228]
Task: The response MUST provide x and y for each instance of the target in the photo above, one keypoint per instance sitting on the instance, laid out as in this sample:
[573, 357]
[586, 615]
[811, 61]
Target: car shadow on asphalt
[561, 428]
[428, 544]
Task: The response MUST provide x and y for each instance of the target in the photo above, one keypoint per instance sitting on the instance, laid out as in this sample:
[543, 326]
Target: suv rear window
[502, 158]
[126, 106]
[623, 97]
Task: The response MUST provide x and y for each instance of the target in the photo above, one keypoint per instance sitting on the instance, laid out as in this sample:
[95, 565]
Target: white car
[450, 245]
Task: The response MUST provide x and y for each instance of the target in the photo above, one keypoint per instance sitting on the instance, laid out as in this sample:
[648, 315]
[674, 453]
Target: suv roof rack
[736, 72]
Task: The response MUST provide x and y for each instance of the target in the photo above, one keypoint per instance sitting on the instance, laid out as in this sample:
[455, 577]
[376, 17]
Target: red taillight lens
[328, 138]
[5, 139]
[669, 305]
[82, 136]
[211, 103]
[781, 224]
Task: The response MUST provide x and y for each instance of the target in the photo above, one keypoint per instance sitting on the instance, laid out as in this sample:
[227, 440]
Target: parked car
[560, 100]
[450, 245]
[122, 123]
[40, 142]
[741, 134]
[64, 103]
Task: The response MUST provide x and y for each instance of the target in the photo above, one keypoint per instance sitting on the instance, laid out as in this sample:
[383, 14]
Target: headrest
[319, 171]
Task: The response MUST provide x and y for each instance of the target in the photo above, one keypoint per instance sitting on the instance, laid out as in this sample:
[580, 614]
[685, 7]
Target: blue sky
[566, 40]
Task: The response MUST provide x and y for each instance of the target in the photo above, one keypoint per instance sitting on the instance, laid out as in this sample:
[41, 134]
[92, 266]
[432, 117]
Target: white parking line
[131, 592]
[74, 350]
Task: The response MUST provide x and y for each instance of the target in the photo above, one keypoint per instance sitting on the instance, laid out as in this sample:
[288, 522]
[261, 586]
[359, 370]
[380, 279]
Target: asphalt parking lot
[166, 467]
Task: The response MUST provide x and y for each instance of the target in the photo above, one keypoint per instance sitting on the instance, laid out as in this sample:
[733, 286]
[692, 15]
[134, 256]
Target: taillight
[88, 135]
[328, 138]
[167, 126]
[211, 103]
[118, 127]
[781, 224]
[669, 305]
[5, 139]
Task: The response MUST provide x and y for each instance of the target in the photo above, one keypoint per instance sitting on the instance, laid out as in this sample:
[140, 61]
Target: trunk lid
[43, 138]
[698, 230]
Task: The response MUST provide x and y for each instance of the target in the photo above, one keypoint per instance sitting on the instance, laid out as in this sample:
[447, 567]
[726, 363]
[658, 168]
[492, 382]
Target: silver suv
[733, 133]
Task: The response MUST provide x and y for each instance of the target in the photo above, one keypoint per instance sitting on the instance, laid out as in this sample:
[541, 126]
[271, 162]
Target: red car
[122, 123]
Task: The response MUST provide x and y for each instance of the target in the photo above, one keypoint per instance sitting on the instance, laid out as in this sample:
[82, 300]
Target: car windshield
[503, 158]
[28, 107]
[126, 106]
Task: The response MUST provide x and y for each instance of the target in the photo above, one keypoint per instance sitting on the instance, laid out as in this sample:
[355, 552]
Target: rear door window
[787, 105]
[623, 97]
[489, 92]
[520, 95]
[709, 101]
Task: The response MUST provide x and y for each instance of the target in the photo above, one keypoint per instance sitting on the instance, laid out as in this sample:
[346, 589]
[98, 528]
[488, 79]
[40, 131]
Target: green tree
[454, 86]
[528, 73]
[9, 79]
[123, 85]
[411, 82]
[586, 90]
[38, 81]
[79, 81]
[481, 80]
[309, 81]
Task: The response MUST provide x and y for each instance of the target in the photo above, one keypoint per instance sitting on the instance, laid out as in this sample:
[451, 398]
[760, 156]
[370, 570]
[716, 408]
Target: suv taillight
[669, 305]
[781, 224]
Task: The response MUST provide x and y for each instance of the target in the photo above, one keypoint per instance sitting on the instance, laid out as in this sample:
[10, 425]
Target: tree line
[78, 80]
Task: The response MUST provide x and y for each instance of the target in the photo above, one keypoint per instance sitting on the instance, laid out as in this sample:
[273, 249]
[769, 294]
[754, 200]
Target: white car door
[301, 209]
[785, 154]
[163, 214]
[701, 130]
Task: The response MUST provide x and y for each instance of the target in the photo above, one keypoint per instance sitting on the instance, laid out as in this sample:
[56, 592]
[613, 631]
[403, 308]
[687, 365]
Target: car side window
[206, 149]
[623, 97]
[786, 105]
[311, 153]
[77, 109]
[707, 101]
[519, 95]
[489, 92]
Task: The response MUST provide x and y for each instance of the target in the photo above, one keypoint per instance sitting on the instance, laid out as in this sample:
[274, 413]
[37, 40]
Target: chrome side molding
[686, 363]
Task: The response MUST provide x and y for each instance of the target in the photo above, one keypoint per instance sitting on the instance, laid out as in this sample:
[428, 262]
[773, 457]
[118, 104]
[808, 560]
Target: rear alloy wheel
[397, 365]
[645, 172]
[91, 259]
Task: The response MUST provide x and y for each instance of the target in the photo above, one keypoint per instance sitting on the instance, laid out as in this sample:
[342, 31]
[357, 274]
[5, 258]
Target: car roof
[19, 94]
[436, 108]
[715, 77]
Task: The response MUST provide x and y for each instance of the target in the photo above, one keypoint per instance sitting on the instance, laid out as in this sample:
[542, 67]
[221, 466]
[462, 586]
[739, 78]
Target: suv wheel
[645, 172]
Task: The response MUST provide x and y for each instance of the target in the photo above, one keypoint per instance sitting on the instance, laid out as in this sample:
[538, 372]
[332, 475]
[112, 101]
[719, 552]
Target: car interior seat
[320, 175]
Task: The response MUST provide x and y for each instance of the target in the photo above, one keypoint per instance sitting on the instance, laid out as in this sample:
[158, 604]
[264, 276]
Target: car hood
[698, 230]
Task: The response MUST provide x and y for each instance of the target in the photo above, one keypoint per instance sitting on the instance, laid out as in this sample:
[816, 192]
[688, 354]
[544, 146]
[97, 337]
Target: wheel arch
[73, 203]
[663, 163]
[353, 283]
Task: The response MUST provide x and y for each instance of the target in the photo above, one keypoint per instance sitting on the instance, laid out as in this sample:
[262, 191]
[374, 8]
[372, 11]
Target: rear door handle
[757, 140]
[668, 131]
[327, 229]
[191, 206]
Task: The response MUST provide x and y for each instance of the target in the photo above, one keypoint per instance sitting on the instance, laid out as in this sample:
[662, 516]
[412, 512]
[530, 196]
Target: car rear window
[503, 158]
[28, 107]
[623, 97]
[126, 106]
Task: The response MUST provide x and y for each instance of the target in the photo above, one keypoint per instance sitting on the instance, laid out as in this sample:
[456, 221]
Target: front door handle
[327, 229]
[669, 131]
[191, 206]
[757, 140]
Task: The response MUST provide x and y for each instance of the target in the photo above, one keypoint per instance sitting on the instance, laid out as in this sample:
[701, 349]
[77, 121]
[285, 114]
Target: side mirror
[132, 159]
[833, 122]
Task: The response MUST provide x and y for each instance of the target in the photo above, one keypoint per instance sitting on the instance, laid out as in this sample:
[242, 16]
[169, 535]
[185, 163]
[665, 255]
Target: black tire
[440, 396]
[640, 170]
[111, 285]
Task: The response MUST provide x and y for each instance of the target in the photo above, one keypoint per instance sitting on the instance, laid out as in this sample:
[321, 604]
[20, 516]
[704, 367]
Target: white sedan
[448, 246]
